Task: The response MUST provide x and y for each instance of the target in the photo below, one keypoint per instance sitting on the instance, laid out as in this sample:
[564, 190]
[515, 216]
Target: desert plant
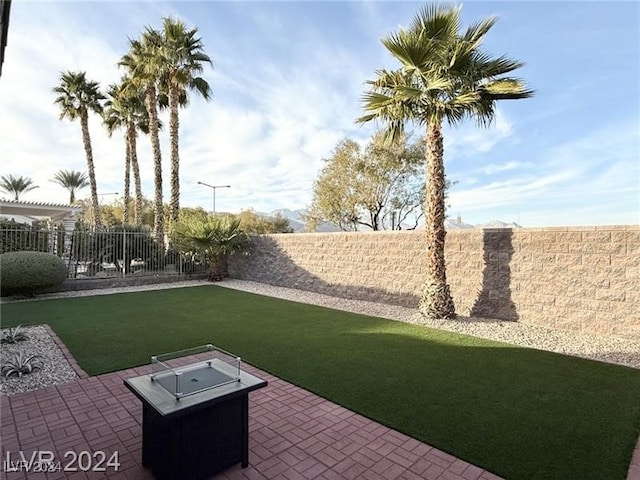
[21, 364]
[14, 335]
[212, 240]
[26, 272]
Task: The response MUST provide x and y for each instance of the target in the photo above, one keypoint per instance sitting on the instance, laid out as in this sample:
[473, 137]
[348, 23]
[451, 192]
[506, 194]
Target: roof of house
[5, 7]
[54, 211]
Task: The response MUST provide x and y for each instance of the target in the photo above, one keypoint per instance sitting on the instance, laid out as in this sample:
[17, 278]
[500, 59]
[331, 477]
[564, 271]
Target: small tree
[365, 187]
[213, 240]
[252, 222]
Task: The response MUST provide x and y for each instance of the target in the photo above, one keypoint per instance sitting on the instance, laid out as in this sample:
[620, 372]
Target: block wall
[585, 279]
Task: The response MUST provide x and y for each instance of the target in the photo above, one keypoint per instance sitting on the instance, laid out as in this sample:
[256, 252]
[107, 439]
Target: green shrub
[30, 271]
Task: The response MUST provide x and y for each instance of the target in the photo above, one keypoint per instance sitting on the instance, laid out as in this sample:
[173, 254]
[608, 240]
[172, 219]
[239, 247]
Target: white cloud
[468, 140]
[504, 167]
[593, 179]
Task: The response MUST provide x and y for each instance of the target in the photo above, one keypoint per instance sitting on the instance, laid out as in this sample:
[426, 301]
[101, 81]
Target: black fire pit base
[196, 436]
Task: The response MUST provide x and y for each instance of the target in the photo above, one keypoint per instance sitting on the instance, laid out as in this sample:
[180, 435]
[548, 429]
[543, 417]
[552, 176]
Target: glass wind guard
[194, 370]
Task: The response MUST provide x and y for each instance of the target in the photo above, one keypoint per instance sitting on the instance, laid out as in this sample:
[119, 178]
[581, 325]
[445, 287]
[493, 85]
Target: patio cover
[57, 212]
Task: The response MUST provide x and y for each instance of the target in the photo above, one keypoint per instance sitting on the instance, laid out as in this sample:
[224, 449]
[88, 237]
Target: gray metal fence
[113, 252]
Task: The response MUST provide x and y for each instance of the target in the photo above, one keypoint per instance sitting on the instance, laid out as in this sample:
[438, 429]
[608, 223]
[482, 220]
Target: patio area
[294, 434]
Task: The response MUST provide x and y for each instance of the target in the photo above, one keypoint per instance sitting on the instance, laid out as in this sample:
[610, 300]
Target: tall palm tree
[72, 180]
[77, 96]
[125, 108]
[183, 59]
[444, 75]
[144, 65]
[16, 186]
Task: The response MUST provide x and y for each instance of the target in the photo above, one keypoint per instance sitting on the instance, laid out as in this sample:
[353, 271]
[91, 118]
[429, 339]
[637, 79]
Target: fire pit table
[195, 417]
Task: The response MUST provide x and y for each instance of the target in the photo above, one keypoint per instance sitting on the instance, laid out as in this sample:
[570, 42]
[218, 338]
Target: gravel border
[57, 369]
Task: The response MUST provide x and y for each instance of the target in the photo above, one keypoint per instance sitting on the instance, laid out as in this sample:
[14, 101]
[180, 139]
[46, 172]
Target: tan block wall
[585, 279]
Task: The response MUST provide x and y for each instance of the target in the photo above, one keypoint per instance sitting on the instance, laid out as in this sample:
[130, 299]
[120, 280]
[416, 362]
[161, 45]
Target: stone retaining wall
[585, 279]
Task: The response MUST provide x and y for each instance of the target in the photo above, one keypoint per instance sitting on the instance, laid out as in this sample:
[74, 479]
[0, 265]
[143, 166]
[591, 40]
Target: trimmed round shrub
[29, 271]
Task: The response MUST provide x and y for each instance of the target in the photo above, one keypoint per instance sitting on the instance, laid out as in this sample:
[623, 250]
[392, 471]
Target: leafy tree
[444, 75]
[366, 187]
[251, 222]
[16, 186]
[213, 240]
[78, 96]
[125, 109]
[197, 214]
[182, 59]
[145, 67]
[113, 213]
[72, 180]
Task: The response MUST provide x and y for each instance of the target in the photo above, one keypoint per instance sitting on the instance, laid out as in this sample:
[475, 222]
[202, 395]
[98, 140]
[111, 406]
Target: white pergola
[56, 212]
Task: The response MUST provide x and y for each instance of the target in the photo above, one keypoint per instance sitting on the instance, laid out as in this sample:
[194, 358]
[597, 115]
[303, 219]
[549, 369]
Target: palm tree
[77, 96]
[125, 109]
[144, 65]
[16, 186]
[444, 75]
[214, 240]
[183, 59]
[72, 180]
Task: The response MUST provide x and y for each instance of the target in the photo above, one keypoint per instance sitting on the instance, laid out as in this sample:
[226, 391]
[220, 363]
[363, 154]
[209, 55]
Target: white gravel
[607, 349]
[55, 367]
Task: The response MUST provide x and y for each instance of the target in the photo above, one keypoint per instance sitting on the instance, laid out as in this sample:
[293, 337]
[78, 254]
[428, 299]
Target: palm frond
[476, 31]
[488, 67]
[443, 73]
[507, 89]
[76, 95]
[409, 49]
[437, 21]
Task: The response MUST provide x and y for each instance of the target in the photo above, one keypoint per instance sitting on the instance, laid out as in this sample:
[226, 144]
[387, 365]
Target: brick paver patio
[294, 434]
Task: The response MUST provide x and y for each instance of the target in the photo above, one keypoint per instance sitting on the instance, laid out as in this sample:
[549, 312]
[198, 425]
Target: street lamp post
[213, 188]
[109, 193]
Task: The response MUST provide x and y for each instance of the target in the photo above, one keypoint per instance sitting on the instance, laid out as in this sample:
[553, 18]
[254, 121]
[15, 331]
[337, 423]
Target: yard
[518, 412]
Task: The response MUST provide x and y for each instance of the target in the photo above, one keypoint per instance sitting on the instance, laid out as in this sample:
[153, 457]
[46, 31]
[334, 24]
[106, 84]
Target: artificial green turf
[517, 412]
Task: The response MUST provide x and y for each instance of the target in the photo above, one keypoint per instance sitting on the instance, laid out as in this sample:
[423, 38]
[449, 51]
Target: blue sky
[287, 82]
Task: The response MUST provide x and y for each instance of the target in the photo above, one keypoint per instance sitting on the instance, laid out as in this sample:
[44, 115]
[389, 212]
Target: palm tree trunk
[137, 209]
[152, 108]
[127, 182]
[436, 301]
[86, 139]
[215, 275]
[174, 204]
